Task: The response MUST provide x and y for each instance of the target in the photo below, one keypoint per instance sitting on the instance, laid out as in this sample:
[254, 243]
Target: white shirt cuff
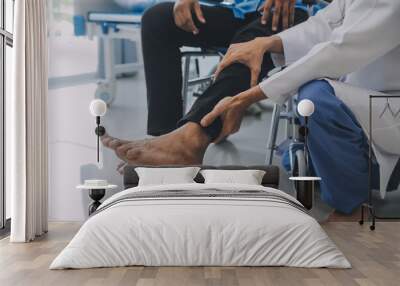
[272, 92]
[290, 49]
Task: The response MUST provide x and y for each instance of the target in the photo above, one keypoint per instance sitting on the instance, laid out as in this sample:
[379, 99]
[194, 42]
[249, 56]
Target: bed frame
[270, 179]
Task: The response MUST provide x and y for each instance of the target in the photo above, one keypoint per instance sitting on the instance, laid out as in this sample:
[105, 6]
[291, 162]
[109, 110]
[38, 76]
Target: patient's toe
[106, 139]
[121, 167]
[122, 150]
[115, 143]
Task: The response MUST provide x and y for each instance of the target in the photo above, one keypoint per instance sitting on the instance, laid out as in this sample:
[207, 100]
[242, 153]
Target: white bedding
[200, 231]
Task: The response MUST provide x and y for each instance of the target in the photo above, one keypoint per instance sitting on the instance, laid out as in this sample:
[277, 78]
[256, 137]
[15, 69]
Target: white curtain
[26, 123]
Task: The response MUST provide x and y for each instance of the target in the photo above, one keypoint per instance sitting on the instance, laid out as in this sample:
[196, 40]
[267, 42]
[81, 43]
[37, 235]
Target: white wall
[72, 142]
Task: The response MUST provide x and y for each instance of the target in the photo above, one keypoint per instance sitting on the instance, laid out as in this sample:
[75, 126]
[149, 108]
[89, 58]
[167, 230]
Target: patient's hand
[284, 9]
[183, 15]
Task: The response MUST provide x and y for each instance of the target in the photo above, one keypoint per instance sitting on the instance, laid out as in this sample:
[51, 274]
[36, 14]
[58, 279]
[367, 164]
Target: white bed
[185, 230]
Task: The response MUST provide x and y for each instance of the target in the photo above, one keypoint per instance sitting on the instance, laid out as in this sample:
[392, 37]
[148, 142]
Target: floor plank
[375, 257]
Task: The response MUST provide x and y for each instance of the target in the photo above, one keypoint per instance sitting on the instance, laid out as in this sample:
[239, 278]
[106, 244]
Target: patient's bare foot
[120, 167]
[184, 146]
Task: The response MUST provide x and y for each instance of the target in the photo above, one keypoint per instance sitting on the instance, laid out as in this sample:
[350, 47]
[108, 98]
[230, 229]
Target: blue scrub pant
[338, 148]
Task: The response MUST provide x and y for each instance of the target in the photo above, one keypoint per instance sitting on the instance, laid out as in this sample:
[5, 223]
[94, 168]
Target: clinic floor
[375, 258]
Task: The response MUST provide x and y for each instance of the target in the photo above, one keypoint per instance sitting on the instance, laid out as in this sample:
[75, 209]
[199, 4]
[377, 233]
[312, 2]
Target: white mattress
[200, 231]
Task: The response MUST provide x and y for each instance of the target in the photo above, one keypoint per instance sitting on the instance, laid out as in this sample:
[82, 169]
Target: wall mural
[95, 53]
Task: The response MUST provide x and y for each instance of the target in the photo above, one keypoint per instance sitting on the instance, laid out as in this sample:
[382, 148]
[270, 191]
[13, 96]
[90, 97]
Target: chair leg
[372, 226]
[289, 127]
[106, 87]
[273, 132]
[197, 67]
[185, 81]
[109, 59]
[361, 221]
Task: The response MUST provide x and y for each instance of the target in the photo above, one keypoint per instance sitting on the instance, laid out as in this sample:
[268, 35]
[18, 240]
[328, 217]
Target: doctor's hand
[231, 110]
[248, 53]
[183, 15]
[284, 9]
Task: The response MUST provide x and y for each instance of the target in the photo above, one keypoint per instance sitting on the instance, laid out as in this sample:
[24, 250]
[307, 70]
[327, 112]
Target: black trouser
[162, 40]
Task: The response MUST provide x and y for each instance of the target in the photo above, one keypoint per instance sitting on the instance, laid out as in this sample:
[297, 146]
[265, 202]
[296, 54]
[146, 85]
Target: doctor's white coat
[356, 45]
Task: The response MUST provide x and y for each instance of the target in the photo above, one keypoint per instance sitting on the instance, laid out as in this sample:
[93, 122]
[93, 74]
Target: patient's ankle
[194, 136]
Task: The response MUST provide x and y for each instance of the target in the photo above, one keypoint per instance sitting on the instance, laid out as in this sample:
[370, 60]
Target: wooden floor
[375, 257]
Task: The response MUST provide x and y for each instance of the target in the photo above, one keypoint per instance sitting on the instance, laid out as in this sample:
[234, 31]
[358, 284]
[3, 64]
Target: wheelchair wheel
[303, 194]
[299, 169]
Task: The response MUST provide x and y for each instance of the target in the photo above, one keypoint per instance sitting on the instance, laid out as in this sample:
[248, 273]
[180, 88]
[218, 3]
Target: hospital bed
[106, 21]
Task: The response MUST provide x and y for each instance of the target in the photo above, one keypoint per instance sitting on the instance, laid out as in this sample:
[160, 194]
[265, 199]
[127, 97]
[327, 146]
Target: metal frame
[369, 206]
[186, 81]
[6, 39]
[127, 31]
[288, 113]
[130, 32]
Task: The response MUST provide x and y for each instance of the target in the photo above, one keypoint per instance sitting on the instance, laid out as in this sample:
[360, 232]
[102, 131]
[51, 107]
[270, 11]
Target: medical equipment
[201, 81]
[293, 146]
[135, 5]
[108, 22]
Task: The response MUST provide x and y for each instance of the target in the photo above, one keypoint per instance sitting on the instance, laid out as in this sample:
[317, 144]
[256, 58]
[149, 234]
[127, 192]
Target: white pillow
[167, 175]
[248, 177]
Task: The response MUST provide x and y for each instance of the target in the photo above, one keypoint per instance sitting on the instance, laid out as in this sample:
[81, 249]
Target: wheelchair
[197, 84]
[293, 142]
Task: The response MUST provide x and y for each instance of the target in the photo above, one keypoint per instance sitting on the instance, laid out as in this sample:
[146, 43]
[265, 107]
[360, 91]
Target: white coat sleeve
[299, 40]
[369, 30]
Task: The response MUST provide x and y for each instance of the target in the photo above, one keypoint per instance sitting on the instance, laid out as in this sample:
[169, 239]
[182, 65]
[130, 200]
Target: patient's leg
[183, 146]
[162, 40]
[187, 144]
[235, 78]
